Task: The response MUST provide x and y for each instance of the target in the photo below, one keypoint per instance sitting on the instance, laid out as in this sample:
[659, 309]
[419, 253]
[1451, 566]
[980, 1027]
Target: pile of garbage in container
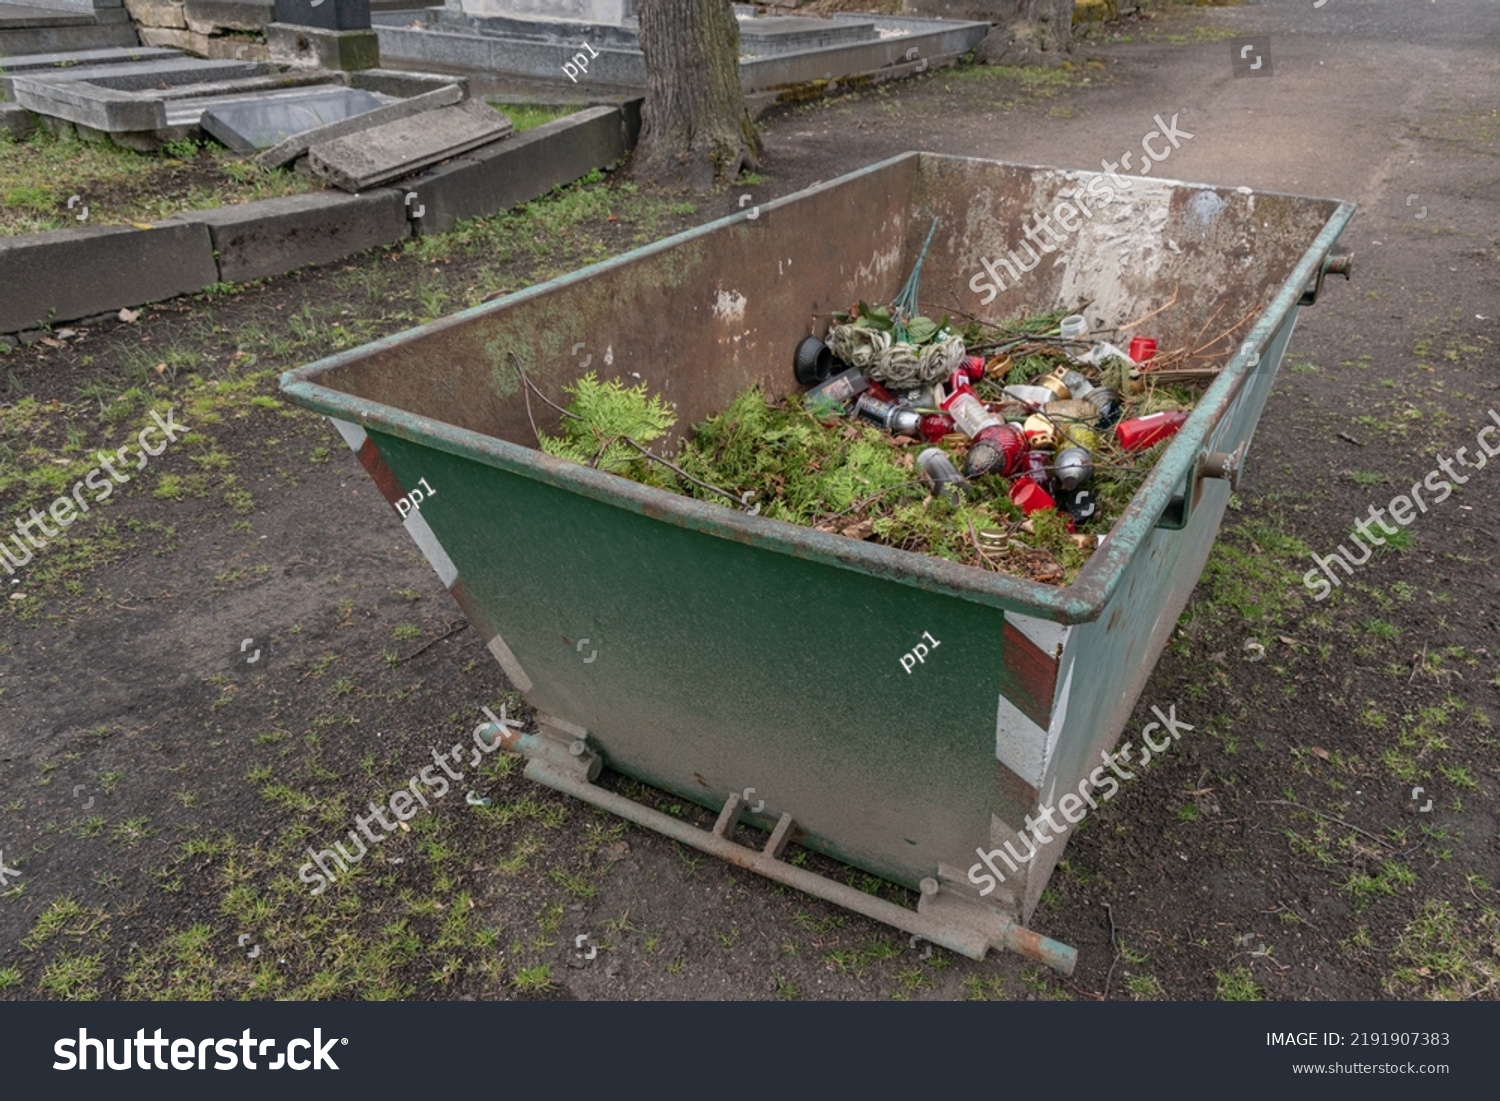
[1010, 447]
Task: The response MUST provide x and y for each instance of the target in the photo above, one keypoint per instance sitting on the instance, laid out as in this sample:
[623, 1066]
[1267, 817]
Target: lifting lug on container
[1337, 262]
[1217, 464]
[1223, 464]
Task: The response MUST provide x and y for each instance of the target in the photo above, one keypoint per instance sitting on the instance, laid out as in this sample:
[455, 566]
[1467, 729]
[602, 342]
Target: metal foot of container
[561, 759]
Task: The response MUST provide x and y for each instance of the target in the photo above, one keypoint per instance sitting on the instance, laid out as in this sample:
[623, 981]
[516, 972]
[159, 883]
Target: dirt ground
[158, 789]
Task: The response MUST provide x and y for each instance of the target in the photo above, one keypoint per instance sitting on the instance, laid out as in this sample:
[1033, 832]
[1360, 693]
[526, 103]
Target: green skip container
[754, 666]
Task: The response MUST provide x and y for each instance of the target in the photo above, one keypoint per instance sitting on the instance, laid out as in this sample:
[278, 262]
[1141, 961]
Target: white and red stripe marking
[1029, 723]
[427, 542]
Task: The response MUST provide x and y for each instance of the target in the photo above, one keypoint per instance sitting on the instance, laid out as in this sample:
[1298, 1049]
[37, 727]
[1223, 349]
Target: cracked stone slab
[395, 149]
[294, 147]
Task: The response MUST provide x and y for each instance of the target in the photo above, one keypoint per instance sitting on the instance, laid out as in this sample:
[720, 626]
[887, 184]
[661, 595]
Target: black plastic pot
[813, 361]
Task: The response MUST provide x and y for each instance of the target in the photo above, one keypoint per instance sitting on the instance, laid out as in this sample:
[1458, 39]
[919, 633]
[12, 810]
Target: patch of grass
[1448, 954]
[528, 116]
[1366, 887]
[533, 980]
[39, 175]
[1398, 541]
[72, 978]
[1252, 573]
[983, 988]
[63, 916]
[856, 961]
[1238, 985]
[1143, 987]
[1026, 76]
[132, 831]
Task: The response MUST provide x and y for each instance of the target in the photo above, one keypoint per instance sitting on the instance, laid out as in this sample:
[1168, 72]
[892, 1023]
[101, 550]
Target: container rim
[1081, 602]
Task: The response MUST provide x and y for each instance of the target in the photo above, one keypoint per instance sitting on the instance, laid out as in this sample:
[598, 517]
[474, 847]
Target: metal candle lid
[1056, 385]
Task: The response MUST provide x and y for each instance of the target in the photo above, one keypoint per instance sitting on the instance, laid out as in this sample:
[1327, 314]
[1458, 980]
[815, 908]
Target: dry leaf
[862, 530]
[47, 340]
[1289, 641]
[161, 368]
[128, 316]
[1318, 752]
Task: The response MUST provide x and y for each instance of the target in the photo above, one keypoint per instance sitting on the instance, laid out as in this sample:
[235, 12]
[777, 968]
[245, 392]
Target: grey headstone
[328, 15]
[399, 148]
[252, 126]
[234, 15]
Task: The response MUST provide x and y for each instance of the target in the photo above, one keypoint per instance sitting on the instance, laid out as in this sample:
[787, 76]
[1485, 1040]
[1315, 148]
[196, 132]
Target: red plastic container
[1030, 497]
[935, 427]
[1038, 467]
[1141, 348]
[1141, 432]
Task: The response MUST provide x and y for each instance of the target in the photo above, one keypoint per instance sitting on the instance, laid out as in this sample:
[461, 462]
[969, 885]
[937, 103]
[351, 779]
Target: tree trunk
[1026, 31]
[1050, 23]
[695, 128]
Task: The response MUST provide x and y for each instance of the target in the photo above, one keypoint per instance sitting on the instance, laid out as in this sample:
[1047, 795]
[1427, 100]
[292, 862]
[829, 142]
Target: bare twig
[1114, 943]
[1217, 310]
[866, 501]
[544, 397]
[1329, 817]
[434, 642]
[1133, 325]
[677, 469]
[1253, 311]
[526, 393]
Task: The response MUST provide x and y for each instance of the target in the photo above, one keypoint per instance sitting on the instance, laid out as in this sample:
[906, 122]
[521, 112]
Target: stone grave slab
[399, 148]
[120, 98]
[13, 65]
[293, 147]
[258, 123]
